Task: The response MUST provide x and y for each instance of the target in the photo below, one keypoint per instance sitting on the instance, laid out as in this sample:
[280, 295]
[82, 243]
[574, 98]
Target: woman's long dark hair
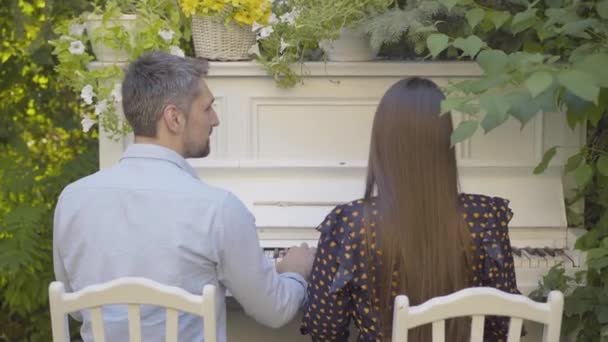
[413, 179]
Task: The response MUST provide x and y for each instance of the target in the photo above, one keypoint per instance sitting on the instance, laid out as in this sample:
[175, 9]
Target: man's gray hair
[155, 80]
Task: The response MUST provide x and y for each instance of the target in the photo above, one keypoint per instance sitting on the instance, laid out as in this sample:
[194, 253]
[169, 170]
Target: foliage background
[42, 149]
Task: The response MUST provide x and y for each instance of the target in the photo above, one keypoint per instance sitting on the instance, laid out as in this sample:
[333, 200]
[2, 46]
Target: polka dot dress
[340, 287]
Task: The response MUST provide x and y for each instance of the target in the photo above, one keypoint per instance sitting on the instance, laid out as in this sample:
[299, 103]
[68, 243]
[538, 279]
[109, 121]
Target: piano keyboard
[531, 263]
[275, 254]
[544, 257]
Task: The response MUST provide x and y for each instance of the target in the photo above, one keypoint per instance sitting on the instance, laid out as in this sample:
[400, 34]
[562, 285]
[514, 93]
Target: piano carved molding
[292, 155]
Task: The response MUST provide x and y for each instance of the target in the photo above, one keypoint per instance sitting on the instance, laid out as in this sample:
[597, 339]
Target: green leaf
[437, 42]
[595, 114]
[499, 18]
[525, 59]
[602, 9]
[460, 104]
[465, 130]
[539, 82]
[573, 162]
[554, 3]
[449, 4]
[523, 107]
[573, 117]
[470, 46]
[475, 16]
[481, 85]
[577, 28]
[493, 61]
[542, 166]
[596, 253]
[598, 263]
[581, 52]
[583, 175]
[595, 65]
[602, 165]
[523, 20]
[580, 84]
[570, 324]
[588, 240]
[496, 107]
[602, 314]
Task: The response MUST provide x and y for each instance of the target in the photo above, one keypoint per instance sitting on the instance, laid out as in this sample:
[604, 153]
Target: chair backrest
[479, 302]
[133, 292]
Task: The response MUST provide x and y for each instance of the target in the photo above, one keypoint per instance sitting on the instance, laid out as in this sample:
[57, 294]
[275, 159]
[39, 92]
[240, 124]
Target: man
[150, 216]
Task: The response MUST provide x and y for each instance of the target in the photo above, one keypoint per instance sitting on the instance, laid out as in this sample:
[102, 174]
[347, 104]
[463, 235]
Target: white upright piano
[292, 155]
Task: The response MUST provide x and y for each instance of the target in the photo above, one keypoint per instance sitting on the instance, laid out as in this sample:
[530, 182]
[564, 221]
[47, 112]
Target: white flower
[265, 32]
[289, 18]
[116, 93]
[87, 94]
[87, 122]
[166, 35]
[77, 29]
[76, 47]
[176, 51]
[284, 45]
[273, 19]
[101, 107]
[255, 26]
[254, 50]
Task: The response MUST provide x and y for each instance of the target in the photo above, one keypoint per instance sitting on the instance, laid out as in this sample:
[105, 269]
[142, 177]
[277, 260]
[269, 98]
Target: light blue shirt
[150, 216]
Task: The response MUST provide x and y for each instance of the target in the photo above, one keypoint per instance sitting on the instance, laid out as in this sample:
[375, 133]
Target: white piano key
[533, 261]
[517, 261]
[540, 256]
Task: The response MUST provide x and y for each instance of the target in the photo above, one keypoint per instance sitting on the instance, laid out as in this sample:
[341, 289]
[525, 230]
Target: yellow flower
[243, 12]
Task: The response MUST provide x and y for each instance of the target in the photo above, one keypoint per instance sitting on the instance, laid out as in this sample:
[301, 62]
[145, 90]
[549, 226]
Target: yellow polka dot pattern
[340, 288]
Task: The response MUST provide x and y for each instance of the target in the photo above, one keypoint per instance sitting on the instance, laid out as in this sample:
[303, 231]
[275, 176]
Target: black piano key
[516, 251]
[549, 251]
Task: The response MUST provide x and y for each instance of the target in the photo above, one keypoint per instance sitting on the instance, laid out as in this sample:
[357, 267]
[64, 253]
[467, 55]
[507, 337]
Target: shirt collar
[151, 151]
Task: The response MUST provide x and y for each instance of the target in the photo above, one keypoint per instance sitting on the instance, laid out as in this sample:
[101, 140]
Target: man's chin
[201, 153]
[205, 152]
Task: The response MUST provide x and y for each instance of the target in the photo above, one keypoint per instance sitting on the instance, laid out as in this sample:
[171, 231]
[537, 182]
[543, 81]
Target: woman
[413, 233]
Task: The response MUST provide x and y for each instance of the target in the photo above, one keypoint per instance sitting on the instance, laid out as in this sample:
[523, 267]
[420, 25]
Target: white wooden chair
[134, 292]
[479, 302]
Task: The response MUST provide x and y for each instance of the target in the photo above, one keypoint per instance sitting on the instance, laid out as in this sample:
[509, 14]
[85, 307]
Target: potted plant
[158, 27]
[338, 22]
[302, 30]
[109, 29]
[221, 29]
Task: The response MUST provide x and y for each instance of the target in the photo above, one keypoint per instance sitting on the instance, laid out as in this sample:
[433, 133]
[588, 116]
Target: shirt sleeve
[328, 310]
[270, 298]
[61, 274]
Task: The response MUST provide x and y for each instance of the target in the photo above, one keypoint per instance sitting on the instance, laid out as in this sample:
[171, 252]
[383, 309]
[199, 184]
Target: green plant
[553, 61]
[298, 26]
[42, 149]
[158, 27]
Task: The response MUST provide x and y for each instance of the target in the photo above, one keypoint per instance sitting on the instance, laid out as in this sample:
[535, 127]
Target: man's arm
[270, 298]
[58, 266]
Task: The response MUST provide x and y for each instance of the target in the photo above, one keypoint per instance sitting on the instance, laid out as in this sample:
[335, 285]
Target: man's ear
[173, 118]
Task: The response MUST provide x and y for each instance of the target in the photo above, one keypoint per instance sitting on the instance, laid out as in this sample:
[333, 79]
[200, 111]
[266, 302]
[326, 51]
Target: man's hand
[298, 260]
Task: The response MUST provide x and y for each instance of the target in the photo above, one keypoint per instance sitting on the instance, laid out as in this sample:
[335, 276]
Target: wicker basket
[216, 41]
